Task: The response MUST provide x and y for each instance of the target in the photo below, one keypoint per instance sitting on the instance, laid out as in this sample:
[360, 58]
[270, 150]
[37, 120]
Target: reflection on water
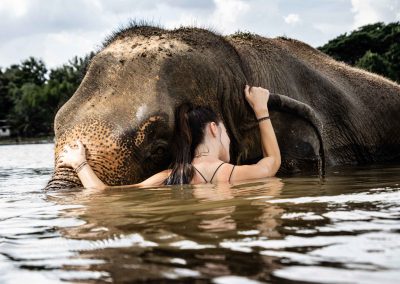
[340, 229]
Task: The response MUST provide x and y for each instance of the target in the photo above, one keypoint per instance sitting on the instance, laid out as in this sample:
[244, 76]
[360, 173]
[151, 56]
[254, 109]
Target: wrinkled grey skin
[325, 113]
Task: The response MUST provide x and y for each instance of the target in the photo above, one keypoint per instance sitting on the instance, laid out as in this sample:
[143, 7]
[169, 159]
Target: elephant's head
[123, 109]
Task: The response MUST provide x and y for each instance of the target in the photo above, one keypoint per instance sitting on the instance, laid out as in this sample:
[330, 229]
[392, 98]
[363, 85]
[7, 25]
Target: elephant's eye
[159, 151]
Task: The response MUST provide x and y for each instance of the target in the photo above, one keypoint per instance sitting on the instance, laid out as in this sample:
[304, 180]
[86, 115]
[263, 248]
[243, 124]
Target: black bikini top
[214, 173]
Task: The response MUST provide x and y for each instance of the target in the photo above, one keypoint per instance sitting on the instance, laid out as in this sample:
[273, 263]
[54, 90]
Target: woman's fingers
[61, 163]
[79, 143]
[246, 90]
[70, 154]
[81, 147]
[67, 148]
[257, 97]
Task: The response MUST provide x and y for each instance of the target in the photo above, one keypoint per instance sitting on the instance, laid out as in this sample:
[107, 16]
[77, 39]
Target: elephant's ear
[299, 133]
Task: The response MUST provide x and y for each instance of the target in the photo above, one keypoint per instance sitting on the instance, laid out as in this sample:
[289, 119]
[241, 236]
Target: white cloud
[227, 13]
[179, 16]
[57, 46]
[371, 11]
[16, 8]
[328, 28]
[54, 48]
[292, 19]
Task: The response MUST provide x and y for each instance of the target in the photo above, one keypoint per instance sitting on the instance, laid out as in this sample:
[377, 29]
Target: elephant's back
[358, 109]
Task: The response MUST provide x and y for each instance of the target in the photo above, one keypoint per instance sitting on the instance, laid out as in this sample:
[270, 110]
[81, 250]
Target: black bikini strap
[231, 173]
[216, 171]
[200, 174]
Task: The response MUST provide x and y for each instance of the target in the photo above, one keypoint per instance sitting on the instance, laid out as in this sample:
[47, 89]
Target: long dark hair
[190, 122]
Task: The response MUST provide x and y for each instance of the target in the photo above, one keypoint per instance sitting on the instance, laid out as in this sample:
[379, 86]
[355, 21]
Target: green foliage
[30, 115]
[5, 100]
[374, 47]
[30, 95]
[372, 62]
[393, 56]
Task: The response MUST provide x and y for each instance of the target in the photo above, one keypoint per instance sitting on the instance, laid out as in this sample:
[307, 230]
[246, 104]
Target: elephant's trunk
[63, 178]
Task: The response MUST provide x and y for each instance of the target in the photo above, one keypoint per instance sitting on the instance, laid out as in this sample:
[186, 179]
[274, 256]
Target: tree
[373, 62]
[5, 100]
[30, 70]
[393, 58]
[373, 47]
[29, 116]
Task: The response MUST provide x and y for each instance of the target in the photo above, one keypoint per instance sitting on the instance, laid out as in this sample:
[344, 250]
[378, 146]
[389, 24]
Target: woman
[201, 149]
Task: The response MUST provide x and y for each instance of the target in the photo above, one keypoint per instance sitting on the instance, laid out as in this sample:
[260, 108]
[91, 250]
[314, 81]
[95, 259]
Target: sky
[57, 30]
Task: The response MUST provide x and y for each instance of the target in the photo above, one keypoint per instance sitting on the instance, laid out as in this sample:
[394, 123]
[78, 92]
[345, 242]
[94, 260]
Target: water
[341, 229]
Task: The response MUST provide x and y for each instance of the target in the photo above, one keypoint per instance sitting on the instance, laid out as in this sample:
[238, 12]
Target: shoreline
[23, 141]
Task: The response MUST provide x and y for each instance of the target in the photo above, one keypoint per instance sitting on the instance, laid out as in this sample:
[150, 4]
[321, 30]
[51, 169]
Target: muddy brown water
[344, 228]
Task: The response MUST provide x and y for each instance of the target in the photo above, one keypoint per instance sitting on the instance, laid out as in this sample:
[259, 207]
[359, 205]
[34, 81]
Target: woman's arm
[272, 155]
[76, 158]
[258, 97]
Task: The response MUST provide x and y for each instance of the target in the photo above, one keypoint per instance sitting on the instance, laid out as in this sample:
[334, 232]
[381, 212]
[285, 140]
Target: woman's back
[215, 171]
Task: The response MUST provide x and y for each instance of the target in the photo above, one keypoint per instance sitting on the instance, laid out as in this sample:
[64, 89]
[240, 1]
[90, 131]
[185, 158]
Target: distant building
[4, 129]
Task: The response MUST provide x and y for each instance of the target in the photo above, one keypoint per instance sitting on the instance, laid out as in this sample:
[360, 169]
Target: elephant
[325, 113]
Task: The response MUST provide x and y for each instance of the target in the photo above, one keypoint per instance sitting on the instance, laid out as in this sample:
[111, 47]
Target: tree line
[30, 94]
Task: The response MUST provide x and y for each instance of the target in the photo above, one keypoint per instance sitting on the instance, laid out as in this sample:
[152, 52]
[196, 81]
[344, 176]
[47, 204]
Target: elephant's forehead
[129, 47]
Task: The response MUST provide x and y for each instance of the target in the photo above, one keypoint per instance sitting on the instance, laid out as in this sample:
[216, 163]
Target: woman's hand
[257, 97]
[72, 157]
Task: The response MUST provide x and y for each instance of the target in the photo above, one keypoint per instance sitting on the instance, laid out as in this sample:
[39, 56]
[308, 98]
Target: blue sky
[57, 30]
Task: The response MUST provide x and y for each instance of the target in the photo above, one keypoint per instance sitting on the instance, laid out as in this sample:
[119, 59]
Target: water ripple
[344, 228]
